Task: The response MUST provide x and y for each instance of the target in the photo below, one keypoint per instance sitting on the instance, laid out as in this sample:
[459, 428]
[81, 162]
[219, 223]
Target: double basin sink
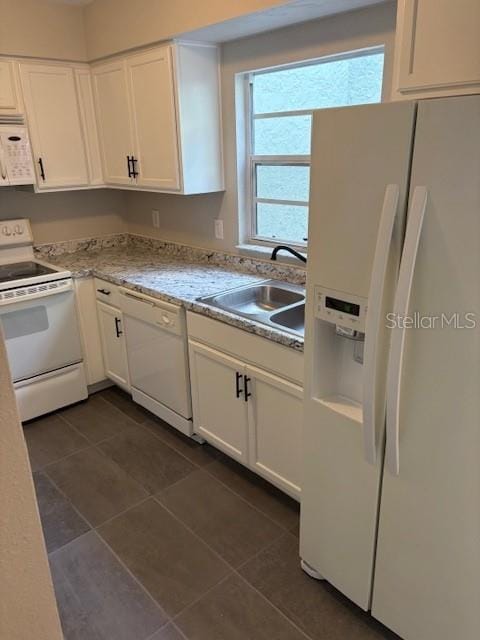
[280, 305]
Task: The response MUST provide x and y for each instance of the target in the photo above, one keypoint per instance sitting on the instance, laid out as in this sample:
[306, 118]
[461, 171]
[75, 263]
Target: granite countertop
[175, 278]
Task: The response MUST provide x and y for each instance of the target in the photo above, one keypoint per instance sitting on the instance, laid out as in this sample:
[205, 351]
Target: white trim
[283, 114]
[252, 160]
[264, 252]
[282, 160]
[293, 203]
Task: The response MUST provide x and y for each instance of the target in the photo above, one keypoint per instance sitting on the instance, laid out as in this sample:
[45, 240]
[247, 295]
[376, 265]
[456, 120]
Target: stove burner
[21, 270]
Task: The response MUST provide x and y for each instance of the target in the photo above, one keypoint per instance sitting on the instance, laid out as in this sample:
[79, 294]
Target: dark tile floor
[152, 536]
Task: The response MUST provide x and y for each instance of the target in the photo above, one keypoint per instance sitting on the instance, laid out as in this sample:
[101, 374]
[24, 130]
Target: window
[280, 104]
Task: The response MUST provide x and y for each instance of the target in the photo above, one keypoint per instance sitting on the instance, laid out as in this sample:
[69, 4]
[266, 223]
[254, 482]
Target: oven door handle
[6, 299]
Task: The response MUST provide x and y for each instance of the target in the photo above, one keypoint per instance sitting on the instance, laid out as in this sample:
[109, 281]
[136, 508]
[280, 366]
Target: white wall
[117, 25]
[190, 220]
[27, 604]
[66, 215]
[43, 29]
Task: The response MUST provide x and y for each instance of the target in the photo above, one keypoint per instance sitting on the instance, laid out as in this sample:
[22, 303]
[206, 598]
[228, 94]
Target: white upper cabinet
[55, 125]
[437, 50]
[159, 120]
[9, 94]
[114, 122]
[154, 119]
[83, 78]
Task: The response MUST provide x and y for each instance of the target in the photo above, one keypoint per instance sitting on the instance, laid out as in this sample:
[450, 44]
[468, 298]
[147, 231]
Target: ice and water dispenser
[339, 344]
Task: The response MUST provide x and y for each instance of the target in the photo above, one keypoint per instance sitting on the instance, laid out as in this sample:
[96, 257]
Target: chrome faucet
[283, 247]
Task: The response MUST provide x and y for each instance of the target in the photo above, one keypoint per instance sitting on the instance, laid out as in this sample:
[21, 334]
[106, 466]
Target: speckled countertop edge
[137, 263]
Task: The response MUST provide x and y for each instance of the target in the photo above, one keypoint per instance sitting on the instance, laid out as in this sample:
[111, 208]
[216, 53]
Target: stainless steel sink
[263, 302]
[292, 318]
[256, 299]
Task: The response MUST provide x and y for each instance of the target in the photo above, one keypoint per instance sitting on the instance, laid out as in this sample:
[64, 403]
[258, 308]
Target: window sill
[262, 252]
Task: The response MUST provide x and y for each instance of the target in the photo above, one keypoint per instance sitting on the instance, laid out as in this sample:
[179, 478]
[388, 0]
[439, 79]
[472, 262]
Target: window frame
[252, 160]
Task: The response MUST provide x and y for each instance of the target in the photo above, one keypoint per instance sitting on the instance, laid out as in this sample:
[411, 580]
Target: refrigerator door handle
[402, 300]
[374, 318]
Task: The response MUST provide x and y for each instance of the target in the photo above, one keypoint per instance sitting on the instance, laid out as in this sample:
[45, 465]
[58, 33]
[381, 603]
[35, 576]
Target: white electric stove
[39, 320]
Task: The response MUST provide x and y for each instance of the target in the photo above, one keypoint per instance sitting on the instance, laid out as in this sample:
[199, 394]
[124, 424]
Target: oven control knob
[166, 320]
[18, 230]
[6, 231]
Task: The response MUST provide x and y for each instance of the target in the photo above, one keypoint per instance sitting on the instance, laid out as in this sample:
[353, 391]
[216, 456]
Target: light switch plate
[155, 218]
[219, 229]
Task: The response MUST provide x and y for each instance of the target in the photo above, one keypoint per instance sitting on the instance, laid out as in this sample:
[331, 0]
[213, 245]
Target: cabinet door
[89, 330]
[113, 119]
[151, 83]
[275, 416]
[113, 344]
[55, 126]
[437, 49]
[219, 412]
[8, 94]
[83, 79]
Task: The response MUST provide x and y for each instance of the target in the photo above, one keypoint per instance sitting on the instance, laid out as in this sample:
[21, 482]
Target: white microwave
[16, 159]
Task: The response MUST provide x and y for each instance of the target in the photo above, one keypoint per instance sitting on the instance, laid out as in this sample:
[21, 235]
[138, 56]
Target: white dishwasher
[155, 334]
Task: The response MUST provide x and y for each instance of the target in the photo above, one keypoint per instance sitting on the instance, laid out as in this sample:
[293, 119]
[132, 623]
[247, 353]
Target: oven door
[41, 334]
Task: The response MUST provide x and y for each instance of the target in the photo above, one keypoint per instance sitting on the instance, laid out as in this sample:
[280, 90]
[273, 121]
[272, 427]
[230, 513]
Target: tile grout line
[164, 626]
[199, 598]
[203, 468]
[234, 572]
[154, 494]
[124, 566]
[242, 498]
[224, 484]
[69, 455]
[272, 604]
[137, 581]
[149, 493]
[232, 569]
[284, 534]
[194, 533]
[147, 430]
[75, 428]
[95, 529]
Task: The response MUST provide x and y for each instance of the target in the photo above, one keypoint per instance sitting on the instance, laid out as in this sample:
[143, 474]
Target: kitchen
[232, 483]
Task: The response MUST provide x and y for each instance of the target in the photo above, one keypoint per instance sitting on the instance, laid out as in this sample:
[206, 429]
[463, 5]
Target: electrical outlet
[219, 229]
[155, 218]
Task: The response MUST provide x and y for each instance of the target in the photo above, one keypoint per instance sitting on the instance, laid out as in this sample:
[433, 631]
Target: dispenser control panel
[340, 308]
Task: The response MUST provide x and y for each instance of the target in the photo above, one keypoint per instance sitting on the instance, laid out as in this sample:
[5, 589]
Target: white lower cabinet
[89, 330]
[275, 412]
[249, 413]
[219, 408]
[110, 321]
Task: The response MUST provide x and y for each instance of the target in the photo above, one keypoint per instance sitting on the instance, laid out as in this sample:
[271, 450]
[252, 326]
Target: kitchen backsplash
[181, 252]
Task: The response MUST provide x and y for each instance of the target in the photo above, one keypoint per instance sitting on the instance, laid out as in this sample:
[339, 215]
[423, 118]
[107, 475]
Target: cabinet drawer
[251, 349]
[107, 292]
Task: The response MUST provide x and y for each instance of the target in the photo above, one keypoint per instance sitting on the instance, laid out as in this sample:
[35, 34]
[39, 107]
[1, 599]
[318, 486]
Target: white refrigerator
[390, 509]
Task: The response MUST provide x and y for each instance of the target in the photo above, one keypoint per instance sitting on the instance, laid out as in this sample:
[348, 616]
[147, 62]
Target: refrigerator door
[359, 182]
[427, 575]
